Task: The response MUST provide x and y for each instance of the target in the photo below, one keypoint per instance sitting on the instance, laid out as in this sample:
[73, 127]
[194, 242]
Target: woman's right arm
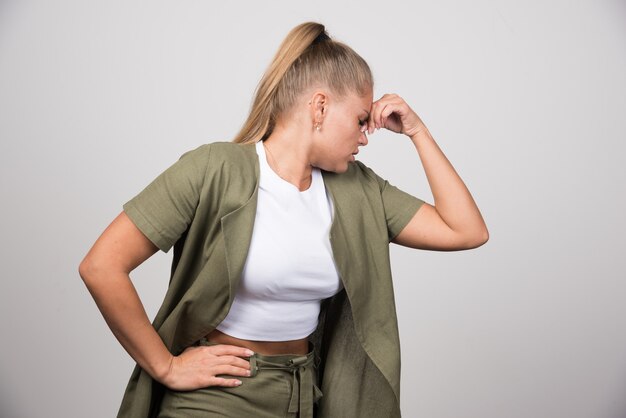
[105, 271]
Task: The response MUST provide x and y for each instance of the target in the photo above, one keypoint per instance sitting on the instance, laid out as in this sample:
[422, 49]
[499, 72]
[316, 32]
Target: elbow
[84, 269]
[475, 239]
[88, 270]
[94, 270]
[485, 237]
[481, 238]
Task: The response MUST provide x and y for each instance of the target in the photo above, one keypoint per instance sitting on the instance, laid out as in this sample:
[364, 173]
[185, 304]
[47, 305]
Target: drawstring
[305, 394]
[304, 388]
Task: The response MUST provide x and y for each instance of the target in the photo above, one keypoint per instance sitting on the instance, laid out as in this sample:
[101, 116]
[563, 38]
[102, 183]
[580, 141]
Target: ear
[318, 104]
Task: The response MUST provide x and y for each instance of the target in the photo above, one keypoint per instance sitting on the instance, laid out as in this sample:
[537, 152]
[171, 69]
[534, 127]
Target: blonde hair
[306, 57]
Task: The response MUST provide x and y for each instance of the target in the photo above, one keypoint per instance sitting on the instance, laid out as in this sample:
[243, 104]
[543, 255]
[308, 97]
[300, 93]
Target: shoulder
[221, 147]
[228, 148]
[361, 169]
[230, 152]
[227, 151]
[363, 173]
[220, 151]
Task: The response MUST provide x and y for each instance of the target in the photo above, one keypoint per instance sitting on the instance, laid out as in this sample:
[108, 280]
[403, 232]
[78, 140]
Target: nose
[363, 138]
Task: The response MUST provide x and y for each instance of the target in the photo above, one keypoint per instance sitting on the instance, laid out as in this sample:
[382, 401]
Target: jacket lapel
[237, 227]
[347, 208]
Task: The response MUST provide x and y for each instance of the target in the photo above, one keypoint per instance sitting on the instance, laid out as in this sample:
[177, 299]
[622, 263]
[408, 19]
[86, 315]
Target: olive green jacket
[204, 205]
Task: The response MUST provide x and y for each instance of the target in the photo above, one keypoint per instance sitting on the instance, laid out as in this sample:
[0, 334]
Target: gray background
[526, 99]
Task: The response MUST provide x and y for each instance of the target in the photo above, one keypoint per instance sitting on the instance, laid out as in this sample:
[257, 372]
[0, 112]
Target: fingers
[385, 111]
[225, 349]
[377, 117]
[229, 363]
[220, 381]
[233, 360]
[231, 370]
[393, 113]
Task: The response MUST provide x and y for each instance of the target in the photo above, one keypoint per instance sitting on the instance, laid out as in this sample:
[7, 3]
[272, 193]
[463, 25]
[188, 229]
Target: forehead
[362, 103]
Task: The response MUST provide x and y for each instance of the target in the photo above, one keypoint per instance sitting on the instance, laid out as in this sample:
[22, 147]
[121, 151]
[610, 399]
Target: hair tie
[321, 38]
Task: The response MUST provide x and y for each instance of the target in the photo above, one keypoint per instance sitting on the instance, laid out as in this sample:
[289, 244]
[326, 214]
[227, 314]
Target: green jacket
[204, 205]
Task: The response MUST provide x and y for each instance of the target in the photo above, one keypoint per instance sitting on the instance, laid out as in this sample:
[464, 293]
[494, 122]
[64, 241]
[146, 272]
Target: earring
[317, 126]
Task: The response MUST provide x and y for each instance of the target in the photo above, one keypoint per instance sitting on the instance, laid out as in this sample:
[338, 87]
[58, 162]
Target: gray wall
[526, 99]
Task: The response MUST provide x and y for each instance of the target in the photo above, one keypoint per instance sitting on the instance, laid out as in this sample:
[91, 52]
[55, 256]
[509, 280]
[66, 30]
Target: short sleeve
[400, 206]
[163, 210]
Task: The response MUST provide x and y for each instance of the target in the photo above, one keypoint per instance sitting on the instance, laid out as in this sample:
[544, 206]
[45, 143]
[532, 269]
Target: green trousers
[282, 385]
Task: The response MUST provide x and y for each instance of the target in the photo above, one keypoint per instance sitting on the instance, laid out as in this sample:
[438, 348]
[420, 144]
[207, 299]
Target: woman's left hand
[393, 113]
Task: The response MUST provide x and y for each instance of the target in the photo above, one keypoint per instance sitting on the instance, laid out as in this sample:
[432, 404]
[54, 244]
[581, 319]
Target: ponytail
[306, 56]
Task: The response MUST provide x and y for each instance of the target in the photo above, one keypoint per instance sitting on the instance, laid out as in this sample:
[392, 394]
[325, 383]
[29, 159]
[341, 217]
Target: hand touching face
[393, 113]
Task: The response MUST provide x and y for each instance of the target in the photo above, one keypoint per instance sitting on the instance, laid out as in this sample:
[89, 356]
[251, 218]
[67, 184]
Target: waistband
[304, 392]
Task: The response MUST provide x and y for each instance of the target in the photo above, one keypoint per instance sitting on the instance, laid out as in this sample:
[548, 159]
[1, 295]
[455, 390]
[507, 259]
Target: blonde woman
[280, 301]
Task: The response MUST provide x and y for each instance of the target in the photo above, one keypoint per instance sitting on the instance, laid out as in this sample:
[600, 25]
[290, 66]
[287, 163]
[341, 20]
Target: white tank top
[290, 267]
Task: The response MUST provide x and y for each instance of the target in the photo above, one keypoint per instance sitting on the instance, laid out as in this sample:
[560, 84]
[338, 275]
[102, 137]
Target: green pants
[282, 385]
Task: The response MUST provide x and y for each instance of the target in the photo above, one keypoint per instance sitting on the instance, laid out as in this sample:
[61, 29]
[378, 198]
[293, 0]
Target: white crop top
[290, 267]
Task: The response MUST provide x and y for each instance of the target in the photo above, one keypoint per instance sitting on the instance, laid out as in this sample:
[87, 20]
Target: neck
[289, 158]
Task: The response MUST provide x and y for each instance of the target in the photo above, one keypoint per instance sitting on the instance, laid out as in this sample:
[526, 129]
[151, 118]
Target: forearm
[124, 313]
[453, 201]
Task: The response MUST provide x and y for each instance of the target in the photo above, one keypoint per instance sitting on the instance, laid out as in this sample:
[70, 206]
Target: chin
[341, 168]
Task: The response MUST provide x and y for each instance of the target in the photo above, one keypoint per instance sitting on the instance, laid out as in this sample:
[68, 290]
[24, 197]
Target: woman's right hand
[197, 366]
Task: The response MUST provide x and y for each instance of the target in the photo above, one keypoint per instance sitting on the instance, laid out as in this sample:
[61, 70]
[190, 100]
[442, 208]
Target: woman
[280, 301]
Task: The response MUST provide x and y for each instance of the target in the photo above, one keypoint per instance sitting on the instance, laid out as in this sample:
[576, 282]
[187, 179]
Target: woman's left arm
[454, 222]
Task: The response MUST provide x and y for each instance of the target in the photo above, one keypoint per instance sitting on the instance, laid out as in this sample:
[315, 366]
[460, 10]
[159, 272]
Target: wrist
[420, 135]
[163, 372]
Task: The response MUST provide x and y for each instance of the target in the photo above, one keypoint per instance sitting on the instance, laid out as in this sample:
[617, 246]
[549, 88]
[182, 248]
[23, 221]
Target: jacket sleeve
[164, 209]
[399, 205]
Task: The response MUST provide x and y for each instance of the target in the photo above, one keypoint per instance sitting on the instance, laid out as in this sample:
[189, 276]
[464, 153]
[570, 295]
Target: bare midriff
[300, 346]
